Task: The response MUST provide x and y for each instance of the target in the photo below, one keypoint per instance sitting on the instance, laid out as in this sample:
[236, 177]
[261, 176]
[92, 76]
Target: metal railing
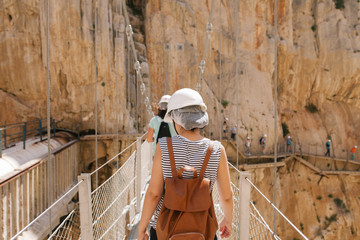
[247, 221]
[17, 132]
[25, 196]
[258, 227]
[106, 212]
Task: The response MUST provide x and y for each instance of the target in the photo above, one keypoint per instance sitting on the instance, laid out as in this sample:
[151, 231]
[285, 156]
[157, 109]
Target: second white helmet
[163, 104]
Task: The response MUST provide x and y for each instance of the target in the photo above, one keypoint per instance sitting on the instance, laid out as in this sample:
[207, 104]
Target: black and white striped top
[190, 153]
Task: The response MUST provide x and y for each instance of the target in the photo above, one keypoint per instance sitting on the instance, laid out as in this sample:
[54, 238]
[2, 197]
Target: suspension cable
[202, 62]
[237, 76]
[166, 67]
[137, 66]
[220, 33]
[275, 110]
[209, 78]
[276, 209]
[117, 90]
[48, 110]
[181, 49]
[95, 94]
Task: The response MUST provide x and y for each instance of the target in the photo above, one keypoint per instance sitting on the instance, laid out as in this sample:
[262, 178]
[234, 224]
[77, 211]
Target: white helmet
[165, 99]
[164, 102]
[183, 98]
[265, 135]
[248, 137]
[289, 137]
[355, 146]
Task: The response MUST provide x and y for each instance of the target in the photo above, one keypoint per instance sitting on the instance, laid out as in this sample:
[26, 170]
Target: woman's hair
[161, 113]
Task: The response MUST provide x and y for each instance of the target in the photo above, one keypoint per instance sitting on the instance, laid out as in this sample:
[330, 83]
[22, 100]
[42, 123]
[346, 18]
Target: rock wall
[318, 64]
[322, 207]
[318, 77]
[71, 64]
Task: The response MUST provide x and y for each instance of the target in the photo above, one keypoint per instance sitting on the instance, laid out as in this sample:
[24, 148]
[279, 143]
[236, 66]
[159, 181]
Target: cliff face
[318, 64]
[322, 207]
[318, 77]
[72, 65]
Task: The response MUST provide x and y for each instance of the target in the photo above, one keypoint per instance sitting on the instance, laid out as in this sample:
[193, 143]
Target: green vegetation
[340, 204]
[145, 75]
[311, 108]
[302, 227]
[285, 129]
[313, 28]
[318, 219]
[224, 103]
[294, 191]
[103, 84]
[319, 197]
[330, 195]
[309, 179]
[339, 4]
[329, 220]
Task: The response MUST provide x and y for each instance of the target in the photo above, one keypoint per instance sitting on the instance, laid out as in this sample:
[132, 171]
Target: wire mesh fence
[114, 202]
[258, 228]
[111, 200]
[69, 228]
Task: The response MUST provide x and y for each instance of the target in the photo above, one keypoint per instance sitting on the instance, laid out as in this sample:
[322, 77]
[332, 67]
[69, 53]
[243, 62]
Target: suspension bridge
[46, 196]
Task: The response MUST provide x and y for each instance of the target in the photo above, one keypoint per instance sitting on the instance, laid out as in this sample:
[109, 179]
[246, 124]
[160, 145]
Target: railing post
[138, 175]
[24, 135]
[40, 129]
[244, 206]
[85, 206]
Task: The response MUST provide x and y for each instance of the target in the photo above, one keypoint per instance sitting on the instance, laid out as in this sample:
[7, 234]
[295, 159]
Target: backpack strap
[171, 156]
[206, 159]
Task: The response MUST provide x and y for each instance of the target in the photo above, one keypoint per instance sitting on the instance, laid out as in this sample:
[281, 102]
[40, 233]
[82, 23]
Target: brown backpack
[187, 211]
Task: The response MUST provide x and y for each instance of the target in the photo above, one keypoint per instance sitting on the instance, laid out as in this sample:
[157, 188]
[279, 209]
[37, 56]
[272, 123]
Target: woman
[187, 111]
[156, 121]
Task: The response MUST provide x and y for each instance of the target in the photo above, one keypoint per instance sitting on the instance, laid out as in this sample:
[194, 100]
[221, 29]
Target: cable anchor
[209, 29]
[202, 66]
[142, 88]
[129, 32]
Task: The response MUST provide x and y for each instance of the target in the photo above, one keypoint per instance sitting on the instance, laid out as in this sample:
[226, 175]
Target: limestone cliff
[318, 64]
[71, 63]
[318, 78]
[322, 207]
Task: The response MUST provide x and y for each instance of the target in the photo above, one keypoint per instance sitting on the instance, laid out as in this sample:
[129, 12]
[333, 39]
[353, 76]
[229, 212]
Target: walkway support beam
[85, 206]
[244, 206]
[138, 175]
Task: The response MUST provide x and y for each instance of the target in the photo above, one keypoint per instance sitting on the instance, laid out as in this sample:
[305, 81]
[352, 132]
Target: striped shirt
[190, 153]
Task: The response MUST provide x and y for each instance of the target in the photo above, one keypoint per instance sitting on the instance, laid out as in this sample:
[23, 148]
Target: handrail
[49, 208]
[11, 135]
[116, 155]
[247, 179]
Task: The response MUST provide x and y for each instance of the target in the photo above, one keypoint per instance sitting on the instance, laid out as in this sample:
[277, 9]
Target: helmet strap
[175, 127]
